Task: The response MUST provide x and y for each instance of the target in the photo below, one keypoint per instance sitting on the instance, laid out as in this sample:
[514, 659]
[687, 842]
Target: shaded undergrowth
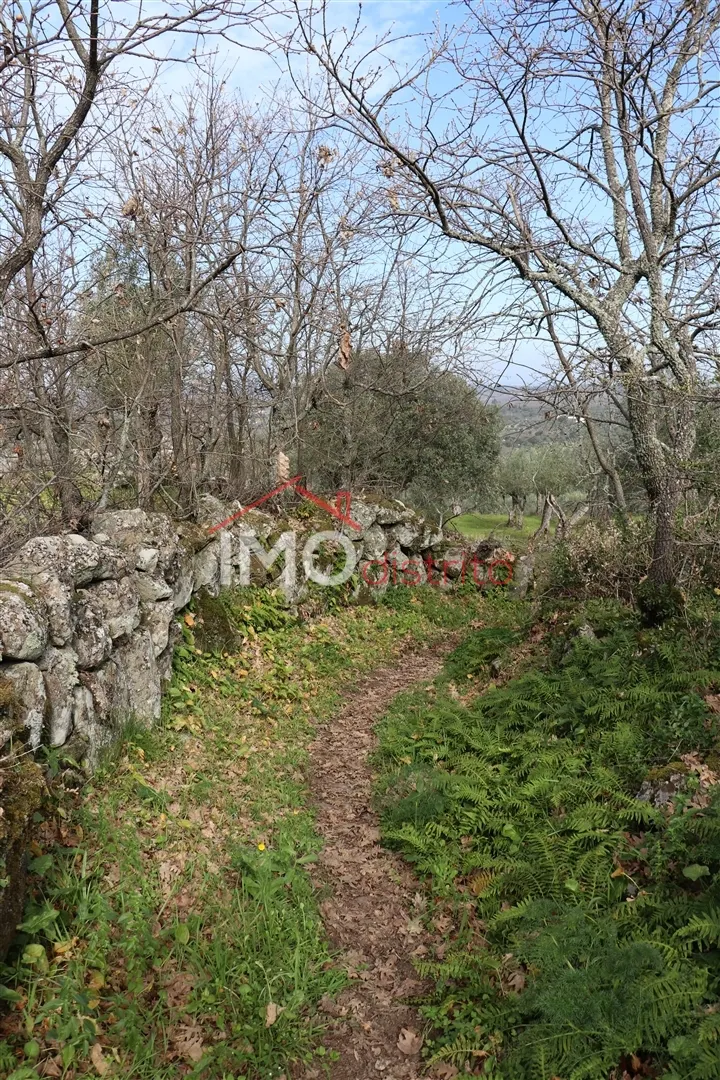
[172, 929]
[582, 923]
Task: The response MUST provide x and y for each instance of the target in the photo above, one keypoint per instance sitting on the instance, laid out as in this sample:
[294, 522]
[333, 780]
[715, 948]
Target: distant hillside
[533, 423]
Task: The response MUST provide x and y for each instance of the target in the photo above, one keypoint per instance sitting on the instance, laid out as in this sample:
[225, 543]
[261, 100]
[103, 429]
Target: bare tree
[580, 154]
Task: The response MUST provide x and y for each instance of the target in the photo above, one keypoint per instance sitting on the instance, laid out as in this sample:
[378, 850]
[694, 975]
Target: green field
[480, 526]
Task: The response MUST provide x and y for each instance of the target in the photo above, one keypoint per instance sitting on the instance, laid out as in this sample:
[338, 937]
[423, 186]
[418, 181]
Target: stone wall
[88, 624]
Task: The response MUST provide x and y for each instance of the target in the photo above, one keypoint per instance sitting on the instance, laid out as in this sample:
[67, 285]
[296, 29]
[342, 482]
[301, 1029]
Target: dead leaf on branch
[345, 350]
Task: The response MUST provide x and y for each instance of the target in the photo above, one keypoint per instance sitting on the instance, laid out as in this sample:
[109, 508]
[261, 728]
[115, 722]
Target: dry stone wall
[88, 623]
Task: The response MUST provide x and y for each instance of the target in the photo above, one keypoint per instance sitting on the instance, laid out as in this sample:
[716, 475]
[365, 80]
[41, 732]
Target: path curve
[372, 913]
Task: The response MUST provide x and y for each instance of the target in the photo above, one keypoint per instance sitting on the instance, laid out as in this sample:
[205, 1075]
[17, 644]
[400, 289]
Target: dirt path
[373, 913]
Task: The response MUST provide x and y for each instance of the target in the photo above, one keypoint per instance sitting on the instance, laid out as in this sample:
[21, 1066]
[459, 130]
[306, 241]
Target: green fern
[530, 794]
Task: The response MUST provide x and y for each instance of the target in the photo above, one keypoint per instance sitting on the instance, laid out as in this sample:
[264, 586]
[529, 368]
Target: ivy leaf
[696, 871]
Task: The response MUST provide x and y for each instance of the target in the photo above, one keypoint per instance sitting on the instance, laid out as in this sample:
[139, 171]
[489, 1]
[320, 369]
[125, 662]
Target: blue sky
[255, 70]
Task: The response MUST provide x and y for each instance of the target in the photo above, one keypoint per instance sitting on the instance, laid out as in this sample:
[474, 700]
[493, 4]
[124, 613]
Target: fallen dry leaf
[50, 1067]
[713, 702]
[189, 619]
[98, 1060]
[272, 1011]
[445, 1071]
[189, 1042]
[409, 1042]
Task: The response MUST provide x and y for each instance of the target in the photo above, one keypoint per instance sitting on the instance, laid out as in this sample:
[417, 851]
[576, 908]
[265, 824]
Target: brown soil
[373, 915]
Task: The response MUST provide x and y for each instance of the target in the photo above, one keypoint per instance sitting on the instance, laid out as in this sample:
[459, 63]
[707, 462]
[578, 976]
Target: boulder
[393, 512]
[375, 542]
[406, 534]
[151, 588]
[103, 687]
[91, 638]
[59, 667]
[23, 622]
[157, 617]
[211, 512]
[115, 604]
[363, 514]
[207, 570]
[71, 558]
[138, 693]
[146, 559]
[134, 531]
[413, 571]
[91, 733]
[523, 575]
[24, 703]
[449, 560]
[56, 595]
[164, 661]
[374, 576]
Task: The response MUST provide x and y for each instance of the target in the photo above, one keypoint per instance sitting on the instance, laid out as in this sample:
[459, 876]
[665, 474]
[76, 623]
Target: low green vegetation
[482, 526]
[172, 927]
[558, 799]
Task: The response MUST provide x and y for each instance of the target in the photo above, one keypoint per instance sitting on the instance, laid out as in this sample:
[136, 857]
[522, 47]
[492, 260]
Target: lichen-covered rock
[72, 558]
[207, 570]
[146, 559]
[135, 530]
[523, 575]
[164, 661]
[412, 571]
[363, 514]
[102, 684]
[91, 638]
[151, 588]
[23, 622]
[375, 542]
[449, 560]
[392, 512]
[115, 604]
[92, 734]
[211, 512]
[157, 618]
[56, 595]
[23, 706]
[59, 667]
[662, 786]
[406, 533]
[138, 692]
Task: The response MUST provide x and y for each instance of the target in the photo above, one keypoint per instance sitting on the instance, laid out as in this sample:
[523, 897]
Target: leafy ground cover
[481, 526]
[582, 923]
[172, 929]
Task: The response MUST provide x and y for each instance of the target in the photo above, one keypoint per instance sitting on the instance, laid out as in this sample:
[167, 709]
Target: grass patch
[482, 526]
[582, 923]
[173, 929]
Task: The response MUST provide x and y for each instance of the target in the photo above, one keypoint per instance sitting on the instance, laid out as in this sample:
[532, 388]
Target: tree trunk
[547, 515]
[663, 567]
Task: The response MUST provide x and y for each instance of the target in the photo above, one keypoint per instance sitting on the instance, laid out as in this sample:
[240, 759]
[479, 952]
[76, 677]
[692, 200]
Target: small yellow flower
[261, 847]
[717, 592]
